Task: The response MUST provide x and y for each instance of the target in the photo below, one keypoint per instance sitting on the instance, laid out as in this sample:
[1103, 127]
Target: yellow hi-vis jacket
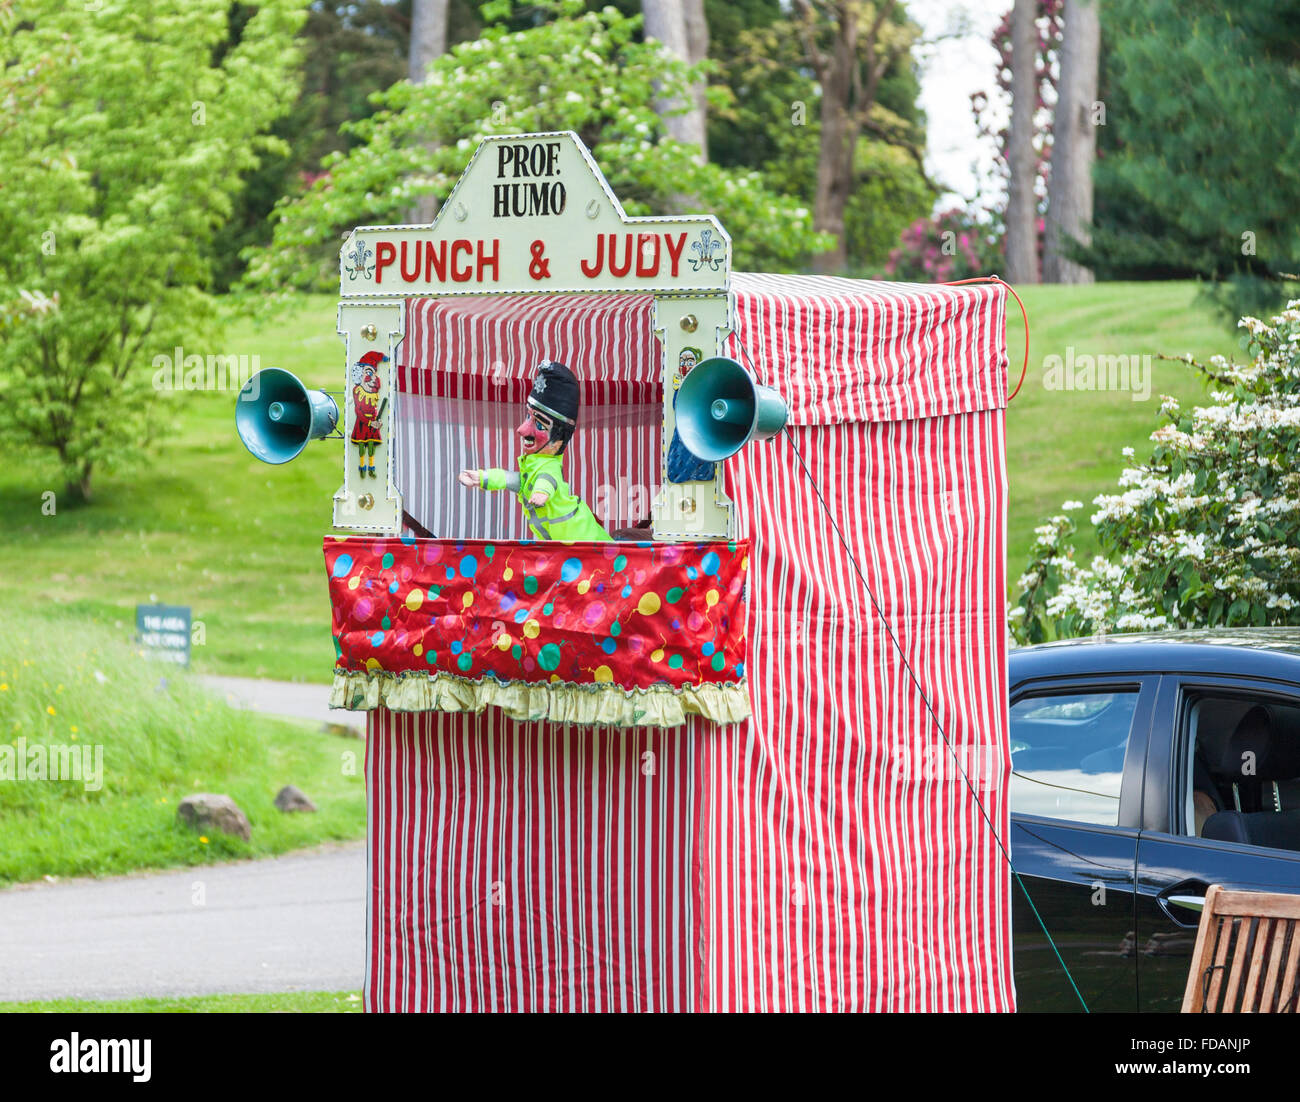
[564, 516]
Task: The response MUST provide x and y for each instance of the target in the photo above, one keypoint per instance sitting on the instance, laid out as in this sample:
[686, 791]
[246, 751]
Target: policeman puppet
[554, 513]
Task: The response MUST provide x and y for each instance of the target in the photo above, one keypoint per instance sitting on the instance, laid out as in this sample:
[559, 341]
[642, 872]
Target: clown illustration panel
[368, 409]
[683, 466]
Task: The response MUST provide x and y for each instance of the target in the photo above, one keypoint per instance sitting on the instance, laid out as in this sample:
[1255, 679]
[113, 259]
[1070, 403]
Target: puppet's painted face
[685, 362]
[369, 381]
[535, 432]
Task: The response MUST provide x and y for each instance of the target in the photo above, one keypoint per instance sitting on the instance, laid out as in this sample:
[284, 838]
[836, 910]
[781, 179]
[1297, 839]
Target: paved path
[285, 698]
[294, 923]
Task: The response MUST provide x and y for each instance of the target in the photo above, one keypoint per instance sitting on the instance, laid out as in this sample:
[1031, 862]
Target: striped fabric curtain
[825, 855]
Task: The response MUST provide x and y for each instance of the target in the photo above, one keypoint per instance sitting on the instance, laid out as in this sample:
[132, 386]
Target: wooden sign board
[532, 213]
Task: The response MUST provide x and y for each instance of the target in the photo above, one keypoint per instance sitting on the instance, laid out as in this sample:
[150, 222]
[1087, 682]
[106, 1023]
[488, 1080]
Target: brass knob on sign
[366, 501]
[370, 333]
[690, 322]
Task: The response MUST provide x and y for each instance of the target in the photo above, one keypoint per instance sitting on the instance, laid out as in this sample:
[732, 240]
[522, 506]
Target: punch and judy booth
[687, 768]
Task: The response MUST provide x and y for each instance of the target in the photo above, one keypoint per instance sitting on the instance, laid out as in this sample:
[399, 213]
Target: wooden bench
[1260, 932]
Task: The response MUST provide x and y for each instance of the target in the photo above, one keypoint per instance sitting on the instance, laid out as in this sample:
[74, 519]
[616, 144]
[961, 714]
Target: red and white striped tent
[827, 854]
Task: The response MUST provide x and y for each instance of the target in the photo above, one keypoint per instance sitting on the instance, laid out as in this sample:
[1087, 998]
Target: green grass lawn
[293, 1002]
[203, 524]
[1066, 444]
[206, 525]
[147, 735]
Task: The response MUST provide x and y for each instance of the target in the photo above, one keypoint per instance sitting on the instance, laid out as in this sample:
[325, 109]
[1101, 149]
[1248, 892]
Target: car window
[1067, 753]
[1241, 776]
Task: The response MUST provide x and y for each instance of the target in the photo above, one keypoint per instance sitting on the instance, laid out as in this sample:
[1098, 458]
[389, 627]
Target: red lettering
[675, 255]
[435, 261]
[460, 245]
[643, 266]
[592, 270]
[486, 261]
[615, 269]
[385, 254]
[414, 273]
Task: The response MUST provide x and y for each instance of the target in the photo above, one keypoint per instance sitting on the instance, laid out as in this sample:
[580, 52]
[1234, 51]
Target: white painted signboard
[533, 213]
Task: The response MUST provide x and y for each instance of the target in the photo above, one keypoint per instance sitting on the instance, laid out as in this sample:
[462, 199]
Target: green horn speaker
[720, 409]
[275, 415]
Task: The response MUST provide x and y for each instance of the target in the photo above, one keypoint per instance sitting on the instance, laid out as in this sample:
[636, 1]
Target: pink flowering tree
[951, 245]
[1206, 530]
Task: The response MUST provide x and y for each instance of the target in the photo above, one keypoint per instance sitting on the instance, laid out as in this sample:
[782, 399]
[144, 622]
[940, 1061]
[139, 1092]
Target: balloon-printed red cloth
[622, 633]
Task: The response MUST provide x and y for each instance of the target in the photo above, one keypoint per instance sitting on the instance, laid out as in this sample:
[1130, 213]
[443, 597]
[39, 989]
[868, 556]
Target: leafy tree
[768, 99]
[118, 171]
[891, 195]
[580, 70]
[1206, 530]
[860, 53]
[1199, 161]
[351, 49]
[752, 103]
[771, 121]
[23, 89]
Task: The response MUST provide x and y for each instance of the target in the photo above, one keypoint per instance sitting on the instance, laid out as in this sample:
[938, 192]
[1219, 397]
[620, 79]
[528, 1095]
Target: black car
[1145, 768]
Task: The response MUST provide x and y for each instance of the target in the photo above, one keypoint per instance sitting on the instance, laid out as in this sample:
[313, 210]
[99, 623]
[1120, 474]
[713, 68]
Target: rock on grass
[206, 811]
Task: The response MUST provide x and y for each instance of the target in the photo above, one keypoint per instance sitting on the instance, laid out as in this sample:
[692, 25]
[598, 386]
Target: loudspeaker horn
[720, 409]
[275, 415]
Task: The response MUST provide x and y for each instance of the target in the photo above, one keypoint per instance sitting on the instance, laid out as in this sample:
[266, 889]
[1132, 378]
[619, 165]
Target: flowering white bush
[1206, 532]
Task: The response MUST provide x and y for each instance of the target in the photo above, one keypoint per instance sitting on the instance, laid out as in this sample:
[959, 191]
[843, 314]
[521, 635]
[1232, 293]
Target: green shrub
[1204, 532]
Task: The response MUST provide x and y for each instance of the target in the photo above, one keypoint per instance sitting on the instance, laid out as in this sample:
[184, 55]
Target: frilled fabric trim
[604, 705]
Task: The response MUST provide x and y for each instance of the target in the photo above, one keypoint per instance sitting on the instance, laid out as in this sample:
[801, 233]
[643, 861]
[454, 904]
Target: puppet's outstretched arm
[539, 496]
[492, 479]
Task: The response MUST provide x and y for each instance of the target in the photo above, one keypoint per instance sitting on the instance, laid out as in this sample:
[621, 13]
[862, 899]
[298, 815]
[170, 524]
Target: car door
[1174, 865]
[1078, 746]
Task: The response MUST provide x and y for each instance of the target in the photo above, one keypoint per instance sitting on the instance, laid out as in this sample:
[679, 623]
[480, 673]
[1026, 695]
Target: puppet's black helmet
[555, 392]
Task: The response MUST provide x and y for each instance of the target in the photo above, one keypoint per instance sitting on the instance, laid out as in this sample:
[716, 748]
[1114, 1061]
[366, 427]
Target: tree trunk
[428, 42]
[697, 44]
[77, 488]
[834, 183]
[428, 37]
[1074, 145]
[666, 21]
[1022, 212]
[838, 144]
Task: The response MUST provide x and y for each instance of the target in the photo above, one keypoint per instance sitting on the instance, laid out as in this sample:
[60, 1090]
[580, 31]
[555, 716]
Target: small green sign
[164, 632]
